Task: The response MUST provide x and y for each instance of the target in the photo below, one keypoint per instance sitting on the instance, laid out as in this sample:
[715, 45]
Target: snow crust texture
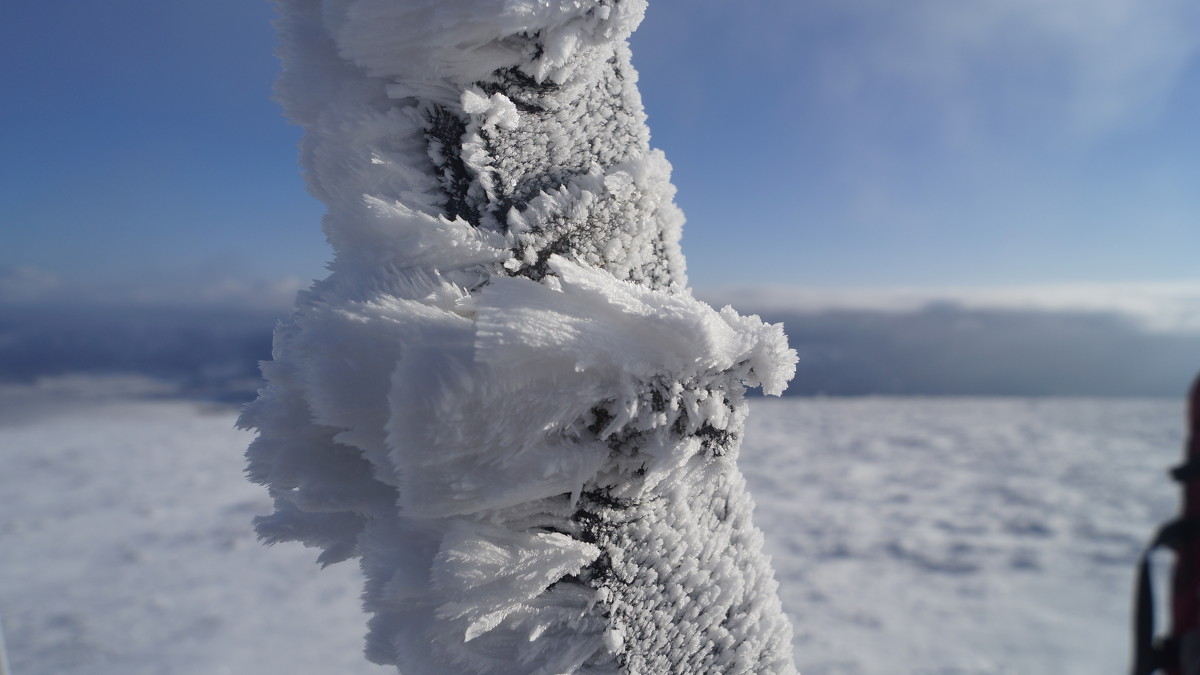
[503, 400]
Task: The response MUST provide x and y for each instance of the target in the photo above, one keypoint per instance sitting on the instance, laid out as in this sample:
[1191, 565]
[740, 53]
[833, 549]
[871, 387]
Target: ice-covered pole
[503, 399]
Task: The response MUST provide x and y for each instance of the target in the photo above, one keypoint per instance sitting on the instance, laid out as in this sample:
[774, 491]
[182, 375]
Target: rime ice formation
[503, 399]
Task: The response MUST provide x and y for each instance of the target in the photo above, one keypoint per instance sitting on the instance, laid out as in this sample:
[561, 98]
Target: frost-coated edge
[531, 468]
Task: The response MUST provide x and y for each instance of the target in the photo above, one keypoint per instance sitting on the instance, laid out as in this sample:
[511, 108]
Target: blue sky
[828, 143]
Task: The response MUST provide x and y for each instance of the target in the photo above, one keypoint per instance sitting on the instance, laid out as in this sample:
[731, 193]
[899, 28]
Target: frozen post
[503, 399]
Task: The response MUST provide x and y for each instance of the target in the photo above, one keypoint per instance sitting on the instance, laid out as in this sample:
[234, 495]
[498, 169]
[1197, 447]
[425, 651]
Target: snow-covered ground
[960, 536]
[922, 536]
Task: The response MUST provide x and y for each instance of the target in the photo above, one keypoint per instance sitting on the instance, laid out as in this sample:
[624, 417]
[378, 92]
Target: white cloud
[1157, 306]
[27, 284]
[223, 292]
[33, 286]
[1081, 66]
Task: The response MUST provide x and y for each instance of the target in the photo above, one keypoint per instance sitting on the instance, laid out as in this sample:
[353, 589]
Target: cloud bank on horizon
[1028, 341]
[1156, 307]
[29, 286]
[1152, 306]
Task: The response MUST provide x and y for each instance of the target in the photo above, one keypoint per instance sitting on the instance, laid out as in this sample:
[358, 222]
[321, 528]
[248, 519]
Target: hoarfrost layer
[503, 400]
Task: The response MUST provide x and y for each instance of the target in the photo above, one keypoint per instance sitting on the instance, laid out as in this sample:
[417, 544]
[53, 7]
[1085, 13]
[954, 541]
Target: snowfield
[909, 535]
[960, 536]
